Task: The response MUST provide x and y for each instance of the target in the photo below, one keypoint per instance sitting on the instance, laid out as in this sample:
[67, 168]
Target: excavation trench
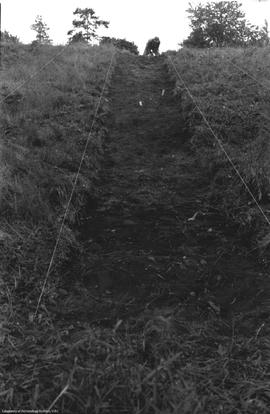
[149, 239]
[137, 216]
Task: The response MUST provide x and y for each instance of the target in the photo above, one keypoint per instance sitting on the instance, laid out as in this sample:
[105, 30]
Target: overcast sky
[136, 20]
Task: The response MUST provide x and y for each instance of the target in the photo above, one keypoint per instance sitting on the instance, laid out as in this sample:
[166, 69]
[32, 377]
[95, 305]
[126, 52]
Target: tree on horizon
[222, 24]
[85, 26]
[41, 29]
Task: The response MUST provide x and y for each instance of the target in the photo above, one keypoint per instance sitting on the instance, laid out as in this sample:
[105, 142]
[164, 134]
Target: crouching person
[152, 47]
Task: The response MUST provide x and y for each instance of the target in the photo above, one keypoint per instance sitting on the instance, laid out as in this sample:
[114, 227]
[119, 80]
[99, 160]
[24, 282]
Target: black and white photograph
[135, 207]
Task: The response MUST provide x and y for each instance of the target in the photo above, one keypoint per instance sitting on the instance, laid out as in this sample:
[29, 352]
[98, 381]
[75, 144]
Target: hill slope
[162, 312]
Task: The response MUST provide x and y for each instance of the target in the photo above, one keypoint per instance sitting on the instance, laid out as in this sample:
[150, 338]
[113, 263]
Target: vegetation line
[34, 74]
[74, 185]
[220, 143]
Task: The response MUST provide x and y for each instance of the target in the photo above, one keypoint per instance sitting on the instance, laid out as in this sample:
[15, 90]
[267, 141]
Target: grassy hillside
[45, 121]
[236, 106]
[48, 97]
[181, 338]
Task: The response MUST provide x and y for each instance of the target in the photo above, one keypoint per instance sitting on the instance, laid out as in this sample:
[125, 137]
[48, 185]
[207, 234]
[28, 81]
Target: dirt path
[150, 234]
[146, 190]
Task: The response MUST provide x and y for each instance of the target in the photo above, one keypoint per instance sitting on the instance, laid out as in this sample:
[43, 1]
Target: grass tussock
[232, 89]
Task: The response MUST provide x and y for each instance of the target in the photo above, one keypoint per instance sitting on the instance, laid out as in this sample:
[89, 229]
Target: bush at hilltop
[121, 44]
[8, 37]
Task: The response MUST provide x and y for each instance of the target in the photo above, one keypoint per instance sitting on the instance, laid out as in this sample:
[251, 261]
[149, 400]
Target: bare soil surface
[152, 237]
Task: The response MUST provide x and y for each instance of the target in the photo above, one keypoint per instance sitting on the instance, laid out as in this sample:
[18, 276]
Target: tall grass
[47, 107]
[237, 108]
